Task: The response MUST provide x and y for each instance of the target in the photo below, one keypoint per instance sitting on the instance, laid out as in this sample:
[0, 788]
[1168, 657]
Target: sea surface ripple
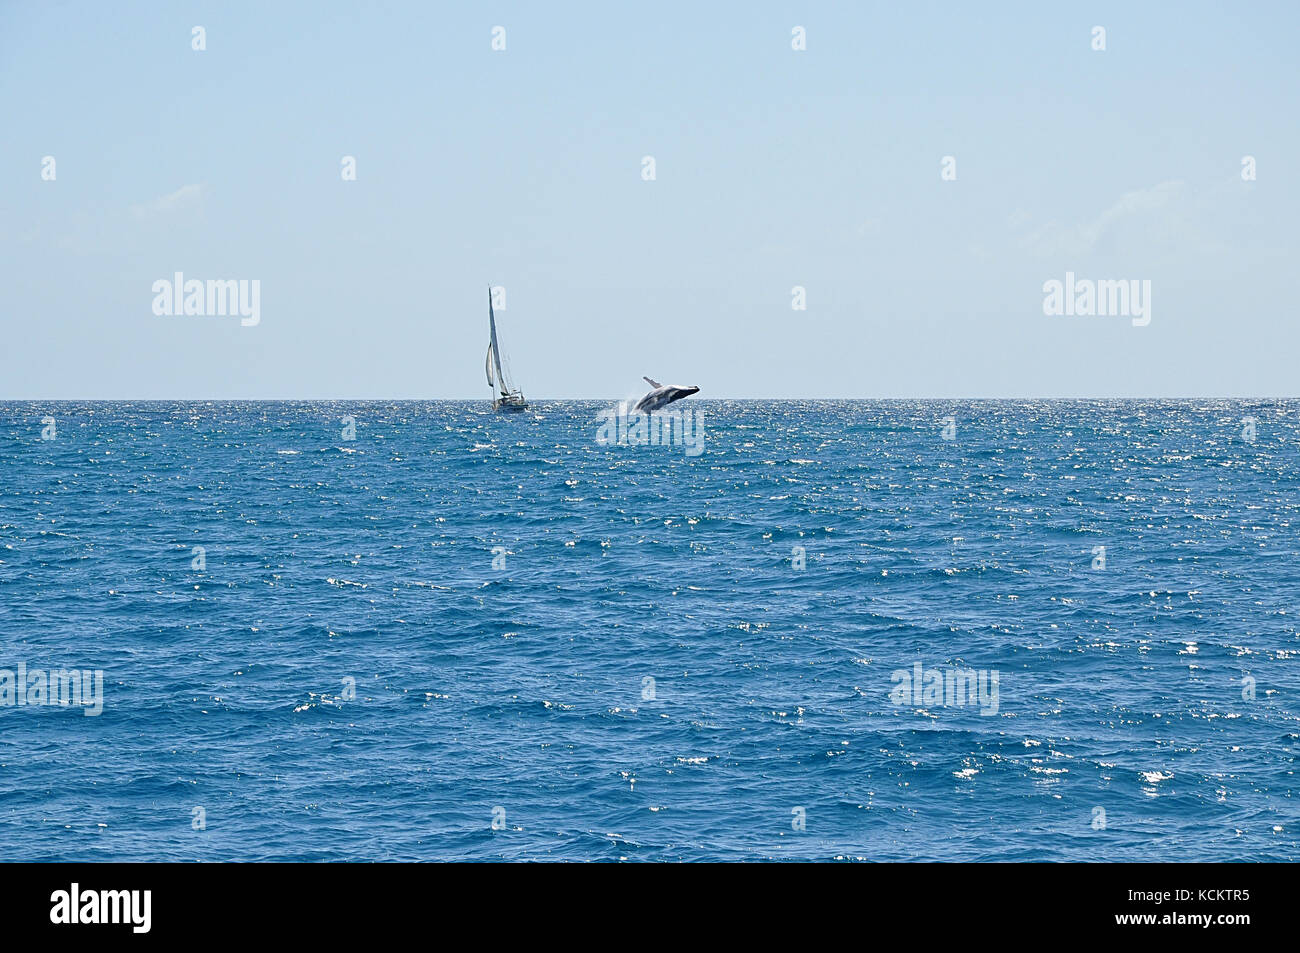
[521, 692]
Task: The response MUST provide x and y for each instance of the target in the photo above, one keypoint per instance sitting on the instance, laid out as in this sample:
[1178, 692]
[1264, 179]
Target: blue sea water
[521, 693]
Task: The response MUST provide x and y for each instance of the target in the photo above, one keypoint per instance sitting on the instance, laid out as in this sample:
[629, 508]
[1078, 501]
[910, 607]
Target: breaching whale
[661, 396]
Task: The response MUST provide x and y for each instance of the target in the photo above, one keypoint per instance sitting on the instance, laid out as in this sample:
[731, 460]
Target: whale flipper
[652, 383]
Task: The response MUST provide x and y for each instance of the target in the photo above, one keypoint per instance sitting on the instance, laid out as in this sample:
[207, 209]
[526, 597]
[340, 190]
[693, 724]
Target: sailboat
[506, 399]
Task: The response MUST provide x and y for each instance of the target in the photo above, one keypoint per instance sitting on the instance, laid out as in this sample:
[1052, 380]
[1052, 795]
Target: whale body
[662, 395]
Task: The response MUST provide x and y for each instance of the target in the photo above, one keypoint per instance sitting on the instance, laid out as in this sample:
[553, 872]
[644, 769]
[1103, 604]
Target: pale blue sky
[522, 168]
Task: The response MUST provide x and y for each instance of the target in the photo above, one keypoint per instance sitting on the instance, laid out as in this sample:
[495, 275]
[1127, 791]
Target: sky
[774, 168]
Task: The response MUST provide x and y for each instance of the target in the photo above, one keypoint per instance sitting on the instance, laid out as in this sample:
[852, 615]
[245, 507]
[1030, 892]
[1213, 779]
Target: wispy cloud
[184, 198]
[1140, 208]
[1130, 204]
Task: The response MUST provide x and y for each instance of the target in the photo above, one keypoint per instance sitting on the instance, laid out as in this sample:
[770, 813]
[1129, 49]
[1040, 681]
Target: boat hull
[510, 405]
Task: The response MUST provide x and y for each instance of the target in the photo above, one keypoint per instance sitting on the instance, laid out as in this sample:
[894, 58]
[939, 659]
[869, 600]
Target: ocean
[860, 630]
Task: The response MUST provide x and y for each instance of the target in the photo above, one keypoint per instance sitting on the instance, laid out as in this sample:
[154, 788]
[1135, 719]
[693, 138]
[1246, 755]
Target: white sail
[506, 397]
[494, 352]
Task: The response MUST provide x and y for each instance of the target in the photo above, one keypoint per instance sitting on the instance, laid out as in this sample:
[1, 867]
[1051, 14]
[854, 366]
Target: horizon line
[488, 400]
